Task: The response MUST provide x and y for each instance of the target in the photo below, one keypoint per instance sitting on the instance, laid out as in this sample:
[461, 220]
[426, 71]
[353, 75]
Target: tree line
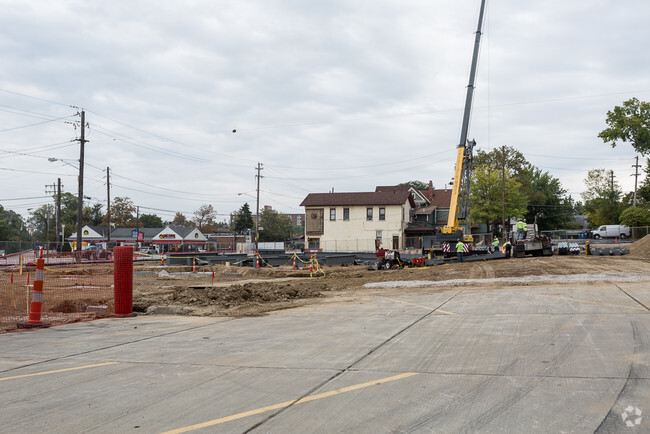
[41, 225]
[505, 184]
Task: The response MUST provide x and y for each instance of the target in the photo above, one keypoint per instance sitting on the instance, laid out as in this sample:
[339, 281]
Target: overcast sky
[343, 95]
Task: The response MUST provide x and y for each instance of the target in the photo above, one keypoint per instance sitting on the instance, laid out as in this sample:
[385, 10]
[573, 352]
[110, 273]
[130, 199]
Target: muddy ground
[241, 291]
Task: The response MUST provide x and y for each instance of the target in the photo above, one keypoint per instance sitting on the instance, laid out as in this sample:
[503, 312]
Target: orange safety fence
[71, 292]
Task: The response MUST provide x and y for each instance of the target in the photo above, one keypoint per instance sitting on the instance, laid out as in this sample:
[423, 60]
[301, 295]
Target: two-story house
[345, 222]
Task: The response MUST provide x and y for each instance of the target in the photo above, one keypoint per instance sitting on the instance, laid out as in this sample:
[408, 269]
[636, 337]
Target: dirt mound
[641, 247]
[246, 291]
[232, 300]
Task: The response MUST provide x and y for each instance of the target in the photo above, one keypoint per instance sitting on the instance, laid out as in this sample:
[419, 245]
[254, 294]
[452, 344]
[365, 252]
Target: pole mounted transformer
[459, 206]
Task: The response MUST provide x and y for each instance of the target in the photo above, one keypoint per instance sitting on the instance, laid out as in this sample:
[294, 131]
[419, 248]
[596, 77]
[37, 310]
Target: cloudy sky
[342, 95]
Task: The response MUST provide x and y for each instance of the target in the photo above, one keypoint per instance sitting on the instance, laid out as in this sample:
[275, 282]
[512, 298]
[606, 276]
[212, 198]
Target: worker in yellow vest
[520, 229]
[459, 250]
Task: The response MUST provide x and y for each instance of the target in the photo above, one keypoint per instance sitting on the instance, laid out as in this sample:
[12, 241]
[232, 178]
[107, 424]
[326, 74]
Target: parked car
[147, 250]
[611, 231]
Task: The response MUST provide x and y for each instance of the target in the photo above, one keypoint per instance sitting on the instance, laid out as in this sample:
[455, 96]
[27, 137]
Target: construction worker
[495, 244]
[525, 228]
[508, 247]
[459, 250]
[381, 256]
[520, 229]
[588, 248]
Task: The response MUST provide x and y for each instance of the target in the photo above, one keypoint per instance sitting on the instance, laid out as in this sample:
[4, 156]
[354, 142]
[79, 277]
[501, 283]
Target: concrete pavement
[541, 358]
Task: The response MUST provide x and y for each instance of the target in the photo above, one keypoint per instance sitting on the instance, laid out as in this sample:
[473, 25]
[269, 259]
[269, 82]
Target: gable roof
[440, 198]
[390, 195]
[101, 230]
[127, 233]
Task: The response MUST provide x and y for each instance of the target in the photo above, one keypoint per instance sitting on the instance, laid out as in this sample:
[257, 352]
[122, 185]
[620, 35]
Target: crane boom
[459, 206]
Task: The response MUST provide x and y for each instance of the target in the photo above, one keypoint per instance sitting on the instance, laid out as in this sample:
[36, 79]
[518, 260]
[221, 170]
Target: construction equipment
[534, 244]
[390, 259]
[459, 206]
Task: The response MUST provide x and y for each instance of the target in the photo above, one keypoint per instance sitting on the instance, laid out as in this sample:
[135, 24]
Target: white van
[611, 231]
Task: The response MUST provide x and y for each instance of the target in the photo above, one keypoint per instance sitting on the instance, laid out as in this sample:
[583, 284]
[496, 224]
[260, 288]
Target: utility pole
[82, 142]
[503, 194]
[257, 212]
[612, 174]
[58, 214]
[137, 226]
[47, 231]
[108, 204]
[636, 177]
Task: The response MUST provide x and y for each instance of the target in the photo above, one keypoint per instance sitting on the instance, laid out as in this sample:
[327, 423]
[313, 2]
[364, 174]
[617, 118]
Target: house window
[332, 214]
[313, 243]
[382, 213]
[379, 237]
[368, 213]
[346, 213]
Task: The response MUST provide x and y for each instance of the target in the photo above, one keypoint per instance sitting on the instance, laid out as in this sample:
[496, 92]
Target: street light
[52, 160]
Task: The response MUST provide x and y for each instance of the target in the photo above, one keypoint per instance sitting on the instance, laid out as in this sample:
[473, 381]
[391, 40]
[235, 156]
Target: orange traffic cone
[37, 299]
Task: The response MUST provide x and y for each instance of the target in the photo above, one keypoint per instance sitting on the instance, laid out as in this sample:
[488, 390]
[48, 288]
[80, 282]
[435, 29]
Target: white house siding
[358, 233]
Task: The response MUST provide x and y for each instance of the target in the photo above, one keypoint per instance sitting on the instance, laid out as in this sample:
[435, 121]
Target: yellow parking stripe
[288, 403]
[58, 370]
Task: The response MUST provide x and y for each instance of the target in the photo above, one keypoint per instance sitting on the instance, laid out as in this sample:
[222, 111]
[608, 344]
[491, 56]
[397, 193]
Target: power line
[33, 125]
[34, 97]
[26, 198]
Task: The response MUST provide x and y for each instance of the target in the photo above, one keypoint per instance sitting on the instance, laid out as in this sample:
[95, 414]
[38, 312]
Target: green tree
[244, 219]
[122, 212]
[180, 220]
[548, 203]
[11, 224]
[486, 193]
[636, 216]
[204, 216]
[504, 157]
[151, 221]
[277, 227]
[42, 222]
[93, 215]
[602, 198]
[509, 161]
[418, 185]
[629, 123]
[69, 204]
[13, 228]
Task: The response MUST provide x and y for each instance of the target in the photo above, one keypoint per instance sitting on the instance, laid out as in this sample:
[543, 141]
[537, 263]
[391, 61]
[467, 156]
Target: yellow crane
[459, 206]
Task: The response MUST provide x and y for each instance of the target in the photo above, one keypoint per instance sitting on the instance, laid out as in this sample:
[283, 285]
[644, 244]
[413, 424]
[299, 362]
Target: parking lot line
[288, 403]
[15, 377]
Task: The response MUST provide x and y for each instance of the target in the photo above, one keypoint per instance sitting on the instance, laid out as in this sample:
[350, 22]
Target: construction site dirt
[244, 291]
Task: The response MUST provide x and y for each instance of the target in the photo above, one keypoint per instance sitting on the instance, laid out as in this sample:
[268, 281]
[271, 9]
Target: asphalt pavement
[546, 358]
